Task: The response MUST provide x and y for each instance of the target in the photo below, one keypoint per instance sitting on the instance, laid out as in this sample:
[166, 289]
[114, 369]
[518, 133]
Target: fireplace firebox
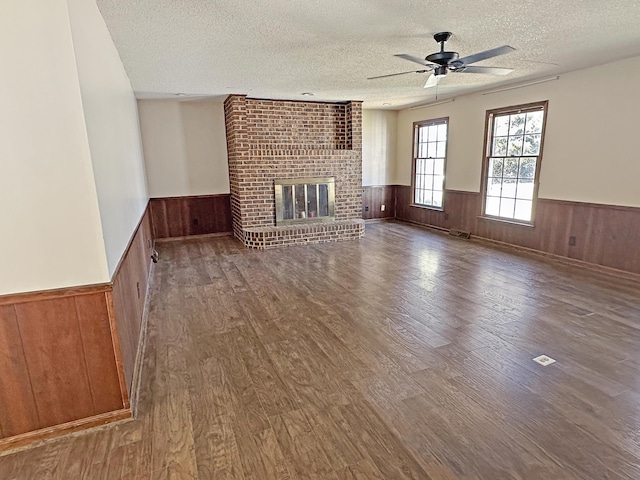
[305, 200]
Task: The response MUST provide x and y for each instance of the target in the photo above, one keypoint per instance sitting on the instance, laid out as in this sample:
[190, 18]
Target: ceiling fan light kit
[442, 62]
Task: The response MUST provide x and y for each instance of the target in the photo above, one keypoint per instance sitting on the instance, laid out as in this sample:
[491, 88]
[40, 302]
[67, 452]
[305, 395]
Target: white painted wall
[185, 147]
[111, 118]
[50, 233]
[379, 133]
[589, 154]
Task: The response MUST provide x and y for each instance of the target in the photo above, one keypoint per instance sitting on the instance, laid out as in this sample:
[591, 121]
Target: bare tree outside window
[512, 161]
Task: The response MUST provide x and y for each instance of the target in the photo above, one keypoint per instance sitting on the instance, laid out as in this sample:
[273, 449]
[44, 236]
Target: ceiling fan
[442, 62]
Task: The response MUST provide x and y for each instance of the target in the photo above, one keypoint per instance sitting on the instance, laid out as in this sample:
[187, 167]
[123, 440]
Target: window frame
[488, 142]
[414, 158]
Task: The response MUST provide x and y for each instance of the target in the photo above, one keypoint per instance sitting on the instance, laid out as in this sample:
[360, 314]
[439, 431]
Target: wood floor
[405, 355]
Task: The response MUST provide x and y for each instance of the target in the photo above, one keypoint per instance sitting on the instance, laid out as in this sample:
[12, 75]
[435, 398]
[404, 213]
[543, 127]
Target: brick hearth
[270, 139]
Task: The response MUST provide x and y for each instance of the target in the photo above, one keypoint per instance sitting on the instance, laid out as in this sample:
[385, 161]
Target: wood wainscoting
[194, 215]
[128, 299]
[68, 356]
[605, 235]
[373, 197]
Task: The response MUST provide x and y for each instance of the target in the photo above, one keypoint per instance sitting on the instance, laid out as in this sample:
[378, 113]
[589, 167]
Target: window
[514, 138]
[429, 158]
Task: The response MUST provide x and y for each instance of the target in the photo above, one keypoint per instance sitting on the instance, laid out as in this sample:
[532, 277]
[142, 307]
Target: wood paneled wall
[195, 215]
[605, 235]
[57, 361]
[373, 197]
[68, 356]
[129, 295]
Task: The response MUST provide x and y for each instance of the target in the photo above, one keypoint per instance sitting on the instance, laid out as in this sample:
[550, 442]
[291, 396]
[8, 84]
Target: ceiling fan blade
[433, 80]
[477, 57]
[489, 70]
[411, 58]
[401, 73]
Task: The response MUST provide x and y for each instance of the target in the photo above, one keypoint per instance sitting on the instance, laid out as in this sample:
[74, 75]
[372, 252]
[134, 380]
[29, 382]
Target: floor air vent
[459, 233]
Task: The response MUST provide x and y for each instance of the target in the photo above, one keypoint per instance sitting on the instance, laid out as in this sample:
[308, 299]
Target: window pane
[419, 166]
[433, 133]
[492, 206]
[438, 166]
[515, 145]
[428, 182]
[428, 165]
[516, 126]
[510, 167]
[440, 149]
[534, 122]
[438, 182]
[494, 187]
[437, 199]
[495, 167]
[427, 197]
[532, 144]
[432, 152]
[422, 150]
[501, 125]
[525, 189]
[507, 206]
[442, 132]
[527, 168]
[499, 146]
[523, 210]
[422, 134]
[509, 188]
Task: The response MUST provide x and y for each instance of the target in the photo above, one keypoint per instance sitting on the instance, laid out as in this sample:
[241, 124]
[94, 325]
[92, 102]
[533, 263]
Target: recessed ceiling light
[180, 94]
[307, 94]
[386, 104]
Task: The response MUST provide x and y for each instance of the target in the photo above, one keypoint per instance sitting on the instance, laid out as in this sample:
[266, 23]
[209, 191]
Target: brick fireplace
[273, 140]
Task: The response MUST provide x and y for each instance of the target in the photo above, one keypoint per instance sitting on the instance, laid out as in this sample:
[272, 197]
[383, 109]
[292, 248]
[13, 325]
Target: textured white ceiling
[281, 48]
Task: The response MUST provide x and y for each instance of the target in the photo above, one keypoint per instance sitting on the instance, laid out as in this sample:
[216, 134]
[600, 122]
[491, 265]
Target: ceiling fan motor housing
[442, 58]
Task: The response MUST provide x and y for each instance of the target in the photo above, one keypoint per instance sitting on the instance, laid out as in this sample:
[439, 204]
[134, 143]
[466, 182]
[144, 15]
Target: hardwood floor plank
[262, 458]
[338, 441]
[383, 447]
[363, 470]
[275, 397]
[215, 444]
[302, 451]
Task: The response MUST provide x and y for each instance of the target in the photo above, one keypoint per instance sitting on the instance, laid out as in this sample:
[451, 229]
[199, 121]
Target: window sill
[427, 207]
[507, 221]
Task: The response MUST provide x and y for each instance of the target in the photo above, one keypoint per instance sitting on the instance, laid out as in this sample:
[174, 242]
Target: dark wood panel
[93, 318]
[130, 285]
[373, 197]
[56, 360]
[605, 235]
[455, 208]
[18, 412]
[194, 215]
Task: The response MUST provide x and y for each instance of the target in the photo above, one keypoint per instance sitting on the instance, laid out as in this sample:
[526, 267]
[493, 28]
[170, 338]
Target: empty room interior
[341, 240]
